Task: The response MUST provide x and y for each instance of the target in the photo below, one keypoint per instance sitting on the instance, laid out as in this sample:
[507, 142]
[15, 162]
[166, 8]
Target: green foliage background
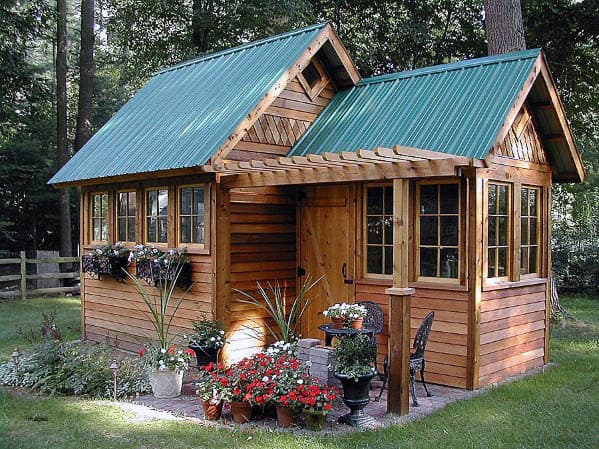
[134, 38]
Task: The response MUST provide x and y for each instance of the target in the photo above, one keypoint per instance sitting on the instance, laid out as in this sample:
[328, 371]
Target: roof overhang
[362, 165]
[541, 95]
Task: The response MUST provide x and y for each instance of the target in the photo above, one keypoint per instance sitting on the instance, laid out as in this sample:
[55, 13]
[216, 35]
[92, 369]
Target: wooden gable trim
[326, 35]
[539, 69]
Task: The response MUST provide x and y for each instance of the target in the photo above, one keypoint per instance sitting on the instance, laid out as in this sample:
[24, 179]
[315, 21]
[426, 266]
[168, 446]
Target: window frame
[146, 216]
[365, 273]
[537, 272]
[510, 246]
[202, 247]
[117, 216]
[461, 234]
[314, 90]
[92, 217]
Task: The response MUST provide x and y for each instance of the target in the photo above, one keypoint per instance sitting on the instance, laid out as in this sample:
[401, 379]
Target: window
[498, 230]
[438, 225]
[100, 217]
[529, 232]
[157, 216]
[192, 215]
[379, 230]
[125, 216]
[313, 79]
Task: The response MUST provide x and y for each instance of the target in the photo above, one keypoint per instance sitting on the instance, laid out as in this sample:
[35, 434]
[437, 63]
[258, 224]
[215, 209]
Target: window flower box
[155, 266]
[105, 260]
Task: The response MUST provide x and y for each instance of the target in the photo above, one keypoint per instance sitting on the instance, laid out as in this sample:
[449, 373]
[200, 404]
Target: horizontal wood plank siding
[512, 331]
[263, 250]
[446, 351]
[282, 124]
[115, 314]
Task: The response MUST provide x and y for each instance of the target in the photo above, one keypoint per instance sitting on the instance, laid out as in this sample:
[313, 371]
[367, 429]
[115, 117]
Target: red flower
[190, 352]
[328, 406]
[172, 350]
[142, 352]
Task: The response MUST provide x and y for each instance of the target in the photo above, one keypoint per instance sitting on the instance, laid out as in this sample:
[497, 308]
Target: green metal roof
[455, 108]
[185, 113]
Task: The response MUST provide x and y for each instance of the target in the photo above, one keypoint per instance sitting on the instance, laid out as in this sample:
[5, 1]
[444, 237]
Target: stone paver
[188, 406]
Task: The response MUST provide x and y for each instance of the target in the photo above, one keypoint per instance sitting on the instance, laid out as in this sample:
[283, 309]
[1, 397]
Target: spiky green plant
[273, 300]
[157, 304]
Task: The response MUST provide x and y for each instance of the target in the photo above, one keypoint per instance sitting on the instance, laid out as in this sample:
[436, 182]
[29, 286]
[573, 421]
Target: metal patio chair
[417, 361]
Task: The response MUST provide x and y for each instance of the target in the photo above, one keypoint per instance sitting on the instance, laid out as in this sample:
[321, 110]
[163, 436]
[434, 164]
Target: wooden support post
[398, 398]
[221, 250]
[23, 275]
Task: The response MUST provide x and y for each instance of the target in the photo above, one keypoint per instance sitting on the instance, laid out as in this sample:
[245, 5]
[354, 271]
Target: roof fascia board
[561, 114]
[326, 34]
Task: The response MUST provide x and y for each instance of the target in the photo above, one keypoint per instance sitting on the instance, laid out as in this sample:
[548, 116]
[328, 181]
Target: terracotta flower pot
[357, 324]
[337, 322]
[212, 412]
[315, 420]
[284, 416]
[242, 412]
[166, 384]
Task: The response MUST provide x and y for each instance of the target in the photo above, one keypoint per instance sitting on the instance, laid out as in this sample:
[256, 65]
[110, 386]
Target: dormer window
[313, 78]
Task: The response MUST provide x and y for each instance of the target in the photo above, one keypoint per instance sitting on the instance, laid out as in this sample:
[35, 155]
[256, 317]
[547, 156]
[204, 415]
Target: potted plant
[354, 365]
[207, 339]
[105, 259]
[315, 400]
[155, 266]
[288, 373]
[212, 389]
[166, 367]
[240, 375]
[344, 314]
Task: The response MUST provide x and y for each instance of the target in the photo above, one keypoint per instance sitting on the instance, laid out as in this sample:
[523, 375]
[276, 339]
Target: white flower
[308, 362]
[163, 351]
[265, 379]
[300, 381]
[212, 339]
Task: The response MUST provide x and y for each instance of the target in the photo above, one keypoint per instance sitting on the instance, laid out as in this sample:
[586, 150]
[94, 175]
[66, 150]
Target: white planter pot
[166, 384]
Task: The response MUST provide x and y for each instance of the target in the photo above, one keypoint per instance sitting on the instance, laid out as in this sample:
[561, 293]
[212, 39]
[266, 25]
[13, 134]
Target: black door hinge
[300, 271]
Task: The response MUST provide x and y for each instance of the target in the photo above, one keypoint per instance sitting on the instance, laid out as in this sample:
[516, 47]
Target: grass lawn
[556, 409]
[18, 318]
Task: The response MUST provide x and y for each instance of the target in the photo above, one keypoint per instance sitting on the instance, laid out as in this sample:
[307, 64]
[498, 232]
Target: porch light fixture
[114, 367]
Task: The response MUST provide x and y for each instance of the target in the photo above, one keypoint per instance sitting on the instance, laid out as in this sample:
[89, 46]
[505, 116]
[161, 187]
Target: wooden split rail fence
[22, 261]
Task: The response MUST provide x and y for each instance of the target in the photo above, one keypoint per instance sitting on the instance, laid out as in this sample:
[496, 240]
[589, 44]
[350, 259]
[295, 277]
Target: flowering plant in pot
[206, 340]
[344, 314]
[354, 365]
[165, 367]
[288, 374]
[314, 399]
[212, 388]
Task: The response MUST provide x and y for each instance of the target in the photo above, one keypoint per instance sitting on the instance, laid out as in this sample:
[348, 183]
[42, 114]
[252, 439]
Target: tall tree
[66, 247]
[86, 75]
[505, 30]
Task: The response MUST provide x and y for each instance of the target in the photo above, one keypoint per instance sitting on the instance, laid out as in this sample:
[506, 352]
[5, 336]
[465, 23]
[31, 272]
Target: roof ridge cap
[451, 66]
[227, 51]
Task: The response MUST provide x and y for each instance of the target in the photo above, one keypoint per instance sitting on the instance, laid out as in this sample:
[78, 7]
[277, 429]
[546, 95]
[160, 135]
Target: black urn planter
[356, 395]
[204, 355]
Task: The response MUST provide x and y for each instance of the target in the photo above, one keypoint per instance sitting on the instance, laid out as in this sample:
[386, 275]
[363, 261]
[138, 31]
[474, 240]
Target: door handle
[344, 270]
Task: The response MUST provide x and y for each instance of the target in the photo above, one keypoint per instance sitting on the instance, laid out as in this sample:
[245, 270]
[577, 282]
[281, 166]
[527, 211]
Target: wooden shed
[421, 190]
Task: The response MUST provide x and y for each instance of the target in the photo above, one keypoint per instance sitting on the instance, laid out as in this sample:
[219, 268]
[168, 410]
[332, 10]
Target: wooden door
[326, 247]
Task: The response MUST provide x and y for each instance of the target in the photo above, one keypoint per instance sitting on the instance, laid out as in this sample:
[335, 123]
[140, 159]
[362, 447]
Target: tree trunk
[201, 21]
[61, 123]
[86, 75]
[505, 30]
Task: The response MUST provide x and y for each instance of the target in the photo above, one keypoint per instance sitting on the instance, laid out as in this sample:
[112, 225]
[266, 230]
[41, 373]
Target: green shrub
[74, 368]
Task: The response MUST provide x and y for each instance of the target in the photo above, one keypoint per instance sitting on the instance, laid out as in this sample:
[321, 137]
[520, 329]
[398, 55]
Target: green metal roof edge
[242, 47]
[469, 63]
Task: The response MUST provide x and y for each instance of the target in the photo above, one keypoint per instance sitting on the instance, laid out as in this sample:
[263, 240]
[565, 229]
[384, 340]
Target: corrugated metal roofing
[455, 108]
[186, 112]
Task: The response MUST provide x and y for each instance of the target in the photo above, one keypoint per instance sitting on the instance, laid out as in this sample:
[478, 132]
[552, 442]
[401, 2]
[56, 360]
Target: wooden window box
[96, 266]
[154, 272]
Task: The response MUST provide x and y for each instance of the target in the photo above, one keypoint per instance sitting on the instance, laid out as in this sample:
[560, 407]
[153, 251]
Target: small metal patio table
[331, 332]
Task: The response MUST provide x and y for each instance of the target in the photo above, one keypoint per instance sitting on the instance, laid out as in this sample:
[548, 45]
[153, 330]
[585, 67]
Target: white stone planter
[166, 384]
